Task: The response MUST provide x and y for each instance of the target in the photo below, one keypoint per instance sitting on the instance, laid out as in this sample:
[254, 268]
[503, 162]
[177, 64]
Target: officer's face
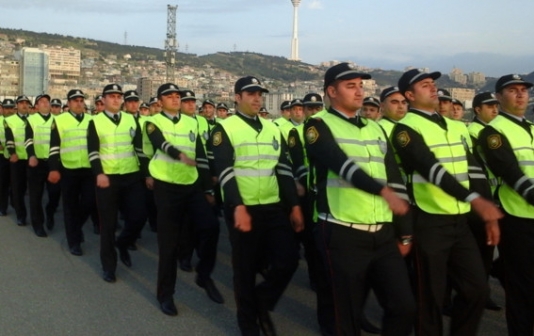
[514, 99]
[23, 107]
[131, 106]
[170, 102]
[76, 105]
[457, 112]
[264, 115]
[222, 113]
[423, 95]
[209, 111]
[144, 111]
[370, 111]
[112, 102]
[487, 112]
[8, 111]
[394, 106]
[154, 108]
[445, 108]
[297, 114]
[43, 105]
[311, 110]
[99, 106]
[286, 113]
[189, 106]
[55, 110]
[346, 95]
[249, 103]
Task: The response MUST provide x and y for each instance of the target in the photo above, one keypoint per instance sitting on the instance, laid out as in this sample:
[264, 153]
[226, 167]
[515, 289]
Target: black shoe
[40, 232]
[50, 222]
[21, 222]
[109, 276]
[491, 305]
[76, 250]
[211, 290]
[368, 327]
[185, 265]
[3, 213]
[266, 324]
[132, 247]
[124, 256]
[96, 230]
[168, 307]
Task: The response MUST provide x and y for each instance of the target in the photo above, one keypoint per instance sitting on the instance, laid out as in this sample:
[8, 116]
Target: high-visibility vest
[523, 148]
[181, 135]
[450, 148]
[204, 129]
[474, 130]
[117, 153]
[18, 127]
[280, 121]
[256, 157]
[367, 147]
[148, 149]
[73, 135]
[3, 149]
[41, 134]
[387, 125]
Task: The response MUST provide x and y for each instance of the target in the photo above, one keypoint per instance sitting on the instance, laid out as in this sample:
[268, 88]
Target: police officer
[263, 113]
[15, 128]
[154, 106]
[445, 103]
[393, 106]
[114, 143]
[434, 152]
[222, 111]
[69, 163]
[313, 103]
[99, 105]
[285, 113]
[508, 147]
[208, 109]
[144, 110]
[182, 185]
[38, 150]
[261, 205]
[8, 109]
[55, 106]
[353, 164]
[296, 117]
[458, 110]
[371, 108]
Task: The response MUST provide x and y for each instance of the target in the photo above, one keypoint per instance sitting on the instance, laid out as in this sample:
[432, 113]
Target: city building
[458, 76]
[464, 95]
[9, 78]
[476, 78]
[34, 73]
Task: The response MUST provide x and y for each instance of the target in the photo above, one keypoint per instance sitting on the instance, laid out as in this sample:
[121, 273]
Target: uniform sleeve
[55, 144]
[203, 167]
[321, 147]
[296, 153]
[416, 156]
[28, 140]
[10, 140]
[137, 142]
[223, 154]
[503, 163]
[93, 148]
[286, 181]
[158, 141]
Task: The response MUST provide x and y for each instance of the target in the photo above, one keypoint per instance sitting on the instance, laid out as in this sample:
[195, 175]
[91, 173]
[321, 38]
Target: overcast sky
[491, 36]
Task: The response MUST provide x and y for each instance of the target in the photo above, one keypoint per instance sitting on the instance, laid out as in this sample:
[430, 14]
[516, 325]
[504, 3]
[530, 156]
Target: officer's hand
[486, 210]
[297, 219]
[32, 162]
[149, 181]
[242, 220]
[183, 157]
[493, 233]
[211, 199]
[13, 158]
[396, 204]
[404, 249]
[301, 191]
[54, 176]
[102, 181]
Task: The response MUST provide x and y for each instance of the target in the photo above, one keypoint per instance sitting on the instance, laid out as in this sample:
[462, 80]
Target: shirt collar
[248, 117]
[513, 116]
[111, 115]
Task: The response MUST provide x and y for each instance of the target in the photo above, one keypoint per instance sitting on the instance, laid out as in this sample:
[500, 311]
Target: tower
[295, 39]
[170, 43]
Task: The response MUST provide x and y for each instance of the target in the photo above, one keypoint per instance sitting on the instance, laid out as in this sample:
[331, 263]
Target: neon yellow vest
[367, 147]
[204, 129]
[18, 127]
[474, 130]
[280, 121]
[3, 149]
[117, 152]
[73, 136]
[449, 147]
[387, 125]
[147, 145]
[181, 135]
[41, 134]
[523, 148]
[288, 126]
[256, 157]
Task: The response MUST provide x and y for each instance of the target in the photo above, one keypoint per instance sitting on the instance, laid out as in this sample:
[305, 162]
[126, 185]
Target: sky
[494, 37]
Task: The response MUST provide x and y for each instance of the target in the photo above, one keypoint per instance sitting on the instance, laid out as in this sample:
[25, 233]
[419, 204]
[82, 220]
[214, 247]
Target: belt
[357, 226]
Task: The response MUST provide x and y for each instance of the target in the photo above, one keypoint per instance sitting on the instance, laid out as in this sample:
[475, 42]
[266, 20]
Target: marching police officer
[285, 113]
[182, 186]
[371, 108]
[8, 107]
[114, 143]
[313, 103]
[434, 152]
[208, 109]
[508, 147]
[55, 106]
[393, 106]
[99, 105]
[222, 111]
[261, 205]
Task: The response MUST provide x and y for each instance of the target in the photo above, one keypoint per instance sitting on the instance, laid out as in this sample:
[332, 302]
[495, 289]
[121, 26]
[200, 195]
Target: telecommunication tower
[170, 43]
[295, 39]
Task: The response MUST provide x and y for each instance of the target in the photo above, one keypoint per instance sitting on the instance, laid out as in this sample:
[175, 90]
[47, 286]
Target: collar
[428, 113]
[170, 116]
[246, 116]
[512, 116]
[294, 122]
[111, 115]
[478, 121]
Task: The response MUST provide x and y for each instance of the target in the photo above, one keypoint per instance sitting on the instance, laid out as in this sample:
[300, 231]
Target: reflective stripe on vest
[255, 161]
[3, 149]
[474, 130]
[73, 136]
[449, 147]
[117, 152]
[366, 146]
[18, 127]
[181, 135]
[523, 148]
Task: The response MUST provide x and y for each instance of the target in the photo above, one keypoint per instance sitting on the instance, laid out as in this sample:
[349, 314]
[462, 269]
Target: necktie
[116, 118]
[79, 117]
[174, 120]
[439, 120]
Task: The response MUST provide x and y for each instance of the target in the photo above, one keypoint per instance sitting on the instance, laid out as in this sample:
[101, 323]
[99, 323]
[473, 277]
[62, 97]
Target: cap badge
[313, 99]
[396, 88]
[254, 81]
[188, 94]
[172, 87]
[493, 96]
[517, 77]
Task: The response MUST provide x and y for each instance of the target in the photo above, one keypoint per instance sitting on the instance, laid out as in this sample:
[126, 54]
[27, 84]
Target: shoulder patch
[291, 141]
[312, 135]
[494, 141]
[217, 139]
[150, 128]
[403, 139]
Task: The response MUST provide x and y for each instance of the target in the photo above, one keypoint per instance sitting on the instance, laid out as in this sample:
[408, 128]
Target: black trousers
[152, 211]
[37, 180]
[444, 246]
[517, 246]
[173, 203]
[5, 183]
[358, 260]
[124, 192]
[305, 237]
[18, 172]
[79, 201]
[271, 239]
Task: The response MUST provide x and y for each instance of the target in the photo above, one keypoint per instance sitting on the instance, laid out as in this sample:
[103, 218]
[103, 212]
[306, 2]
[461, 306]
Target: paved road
[46, 291]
